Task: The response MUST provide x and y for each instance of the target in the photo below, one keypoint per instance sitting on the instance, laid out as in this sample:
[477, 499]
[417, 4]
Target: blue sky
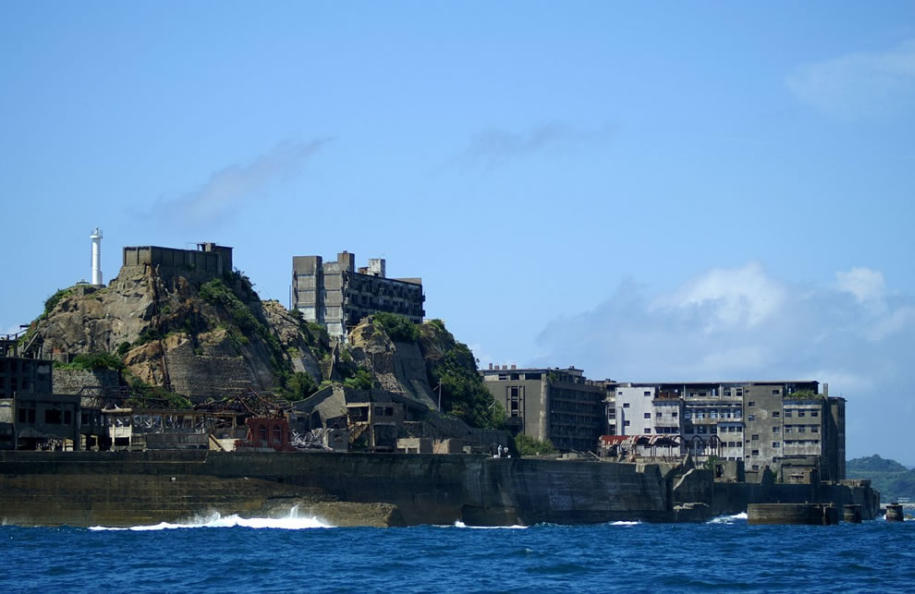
[658, 191]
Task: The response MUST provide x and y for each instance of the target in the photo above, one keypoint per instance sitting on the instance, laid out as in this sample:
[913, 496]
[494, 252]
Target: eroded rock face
[398, 366]
[296, 341]
[171, 335]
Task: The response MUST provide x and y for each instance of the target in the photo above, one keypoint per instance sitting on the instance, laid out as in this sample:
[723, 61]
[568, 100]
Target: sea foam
[460, 524]
[216, 520]
[728, 519]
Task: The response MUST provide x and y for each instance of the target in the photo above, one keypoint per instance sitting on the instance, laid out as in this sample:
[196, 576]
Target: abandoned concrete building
[785, 426]
[337, 295]
[340, 418]
[31, 415]
[207, 261]
[555, 404]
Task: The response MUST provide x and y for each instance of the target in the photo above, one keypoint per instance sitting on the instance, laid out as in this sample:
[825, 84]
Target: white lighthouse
[96, 238]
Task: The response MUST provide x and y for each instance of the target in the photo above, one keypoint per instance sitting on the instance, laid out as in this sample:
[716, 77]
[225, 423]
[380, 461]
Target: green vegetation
[245, 323]
[711, 462]
[52, 301]
[804, 395]
[148, 334]
[123, 348]
[362, 379]
[93, 362]
[298, 386]
[463, 392]
[144, 395]
[529, 446]
[397, 327]
[316, 333]
[215, 292]
[891, 478]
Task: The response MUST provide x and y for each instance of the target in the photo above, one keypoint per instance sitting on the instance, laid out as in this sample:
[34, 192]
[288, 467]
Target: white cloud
[735, 297]
[865, 284]
[863, 84]
[232, 187]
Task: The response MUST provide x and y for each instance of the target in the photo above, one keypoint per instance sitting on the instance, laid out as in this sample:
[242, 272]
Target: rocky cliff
[197, 339]
[179, 337]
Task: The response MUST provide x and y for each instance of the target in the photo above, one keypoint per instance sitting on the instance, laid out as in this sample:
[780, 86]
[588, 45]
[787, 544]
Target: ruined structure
[337, 295]
[787, 427]
[559, 405]
[207, 261]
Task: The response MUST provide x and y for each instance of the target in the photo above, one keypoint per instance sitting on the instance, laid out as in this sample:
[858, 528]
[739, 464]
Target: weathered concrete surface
[732, 498]
[819, 514]
[129, 488]
[122, 488]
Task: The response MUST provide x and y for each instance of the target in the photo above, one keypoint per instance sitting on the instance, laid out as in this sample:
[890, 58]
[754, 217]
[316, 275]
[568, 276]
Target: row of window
[732, 413]
[802, 413]
[51, 416]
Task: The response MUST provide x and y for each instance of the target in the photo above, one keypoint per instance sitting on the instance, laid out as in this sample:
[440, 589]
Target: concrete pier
[894, 513]
[817, 514]
[851, 513]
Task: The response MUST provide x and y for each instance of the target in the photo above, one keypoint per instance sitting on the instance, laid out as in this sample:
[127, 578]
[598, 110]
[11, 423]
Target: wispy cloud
[741, 323]
[232, 187]
[494, 146]
[864, 84]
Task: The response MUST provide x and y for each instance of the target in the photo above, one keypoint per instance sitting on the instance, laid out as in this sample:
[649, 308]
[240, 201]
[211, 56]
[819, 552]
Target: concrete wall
[209, 261]
[129, 488]
[120, 488]
[73, 381]
[633, 403]
[763, 434]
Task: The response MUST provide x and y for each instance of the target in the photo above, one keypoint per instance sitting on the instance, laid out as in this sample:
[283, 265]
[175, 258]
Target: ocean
[303, 554]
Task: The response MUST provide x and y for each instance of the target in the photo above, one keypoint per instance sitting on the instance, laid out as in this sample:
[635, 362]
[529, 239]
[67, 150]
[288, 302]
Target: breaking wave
[216, 520]
[624, 523]
[728, 519]
[460, 524]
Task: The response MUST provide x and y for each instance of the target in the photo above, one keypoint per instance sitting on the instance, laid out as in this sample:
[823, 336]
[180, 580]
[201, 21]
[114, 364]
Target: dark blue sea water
[228, 555]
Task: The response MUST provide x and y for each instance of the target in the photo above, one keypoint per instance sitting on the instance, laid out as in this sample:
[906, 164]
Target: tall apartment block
[555, 404]
[786, 426]
[337, 295]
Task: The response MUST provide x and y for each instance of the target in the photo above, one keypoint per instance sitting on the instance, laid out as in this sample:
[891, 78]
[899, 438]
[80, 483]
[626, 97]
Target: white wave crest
[728, 519]
[216, 520]
[624, 523]
[460, 524]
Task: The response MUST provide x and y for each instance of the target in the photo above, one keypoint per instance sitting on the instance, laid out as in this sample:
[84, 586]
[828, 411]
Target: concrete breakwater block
[817, 514]
[851, 513]
[894, 513]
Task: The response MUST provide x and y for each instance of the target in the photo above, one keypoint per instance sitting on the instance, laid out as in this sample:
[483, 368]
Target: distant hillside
[891, 478]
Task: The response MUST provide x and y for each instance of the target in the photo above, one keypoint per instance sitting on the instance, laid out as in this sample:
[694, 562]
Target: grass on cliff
[142, 395]
[93, 362]
[218, 294]
[397, 327]
[463, 393]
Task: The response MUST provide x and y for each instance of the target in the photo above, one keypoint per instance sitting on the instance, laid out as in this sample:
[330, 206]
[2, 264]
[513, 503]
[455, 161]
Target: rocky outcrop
[177, 337]
[199, 339]
[398, 367]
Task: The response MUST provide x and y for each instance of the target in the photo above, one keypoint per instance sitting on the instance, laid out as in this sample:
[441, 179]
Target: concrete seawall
[86, 488]
[121, 488]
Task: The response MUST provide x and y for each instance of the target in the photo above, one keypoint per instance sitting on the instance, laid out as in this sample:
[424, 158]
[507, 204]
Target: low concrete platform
[815, 514]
